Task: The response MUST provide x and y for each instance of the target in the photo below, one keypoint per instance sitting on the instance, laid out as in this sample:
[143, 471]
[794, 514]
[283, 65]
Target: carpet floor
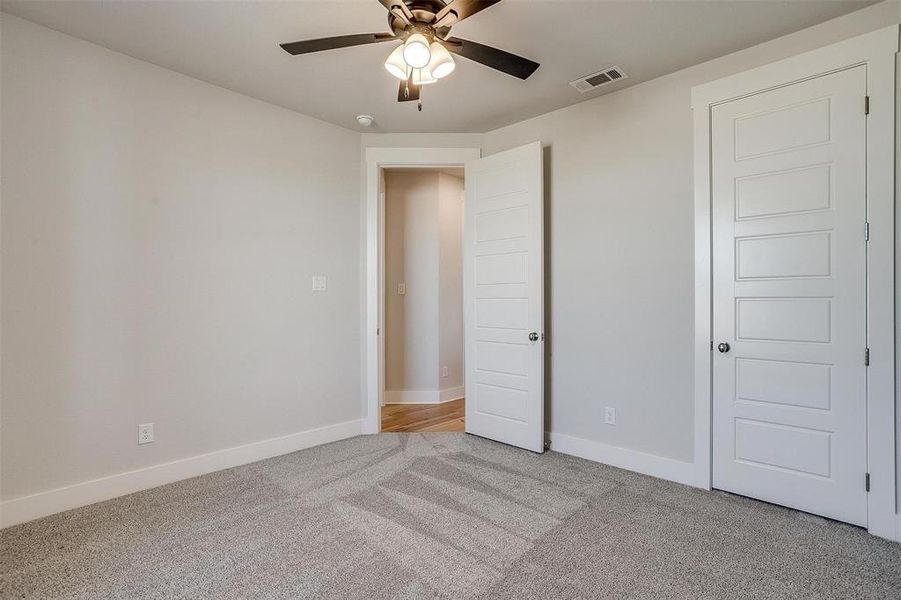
[439, 515]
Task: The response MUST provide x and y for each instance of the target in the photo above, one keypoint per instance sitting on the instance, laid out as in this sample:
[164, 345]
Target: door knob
[723, 347]
[533, 337]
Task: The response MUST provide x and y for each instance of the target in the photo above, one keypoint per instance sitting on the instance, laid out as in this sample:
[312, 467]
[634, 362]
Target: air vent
[596, 80]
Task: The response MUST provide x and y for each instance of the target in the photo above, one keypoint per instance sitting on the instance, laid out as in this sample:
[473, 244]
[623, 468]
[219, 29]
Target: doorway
[423, 300]
[503, 285]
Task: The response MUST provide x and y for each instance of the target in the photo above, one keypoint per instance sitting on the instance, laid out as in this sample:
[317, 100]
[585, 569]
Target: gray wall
[158, 239]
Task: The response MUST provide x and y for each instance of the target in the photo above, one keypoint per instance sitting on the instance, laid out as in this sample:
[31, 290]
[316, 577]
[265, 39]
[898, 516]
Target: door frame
[373, 344]
[876, 50]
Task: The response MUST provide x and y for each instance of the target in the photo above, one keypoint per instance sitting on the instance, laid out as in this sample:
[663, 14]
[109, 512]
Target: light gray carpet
[439, 515]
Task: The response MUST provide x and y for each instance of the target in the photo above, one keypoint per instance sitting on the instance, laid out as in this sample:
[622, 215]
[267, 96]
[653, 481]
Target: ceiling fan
[424, 57]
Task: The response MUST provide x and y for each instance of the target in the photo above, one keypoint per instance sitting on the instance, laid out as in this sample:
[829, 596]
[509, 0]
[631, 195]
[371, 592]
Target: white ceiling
[234, 44]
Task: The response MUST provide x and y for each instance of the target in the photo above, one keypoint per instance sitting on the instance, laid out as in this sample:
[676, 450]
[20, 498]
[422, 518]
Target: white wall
[423, 250]
[158, 239]
[619, 211]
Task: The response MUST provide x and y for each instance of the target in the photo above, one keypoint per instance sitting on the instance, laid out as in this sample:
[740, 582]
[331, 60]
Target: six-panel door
[789, 294]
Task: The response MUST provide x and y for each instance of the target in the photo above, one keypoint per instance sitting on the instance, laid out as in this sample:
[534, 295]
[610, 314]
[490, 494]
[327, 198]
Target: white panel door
[789, 293]
[503, 295]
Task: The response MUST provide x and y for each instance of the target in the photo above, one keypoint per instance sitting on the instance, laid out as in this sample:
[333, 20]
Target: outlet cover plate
[145, 433]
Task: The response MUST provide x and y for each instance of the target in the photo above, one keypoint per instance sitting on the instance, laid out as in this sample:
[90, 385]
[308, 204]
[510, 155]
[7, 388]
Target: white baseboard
[35, 506]
[655, 466]
[624, 458]
[451, 394]
[411, 396]
[423, 396]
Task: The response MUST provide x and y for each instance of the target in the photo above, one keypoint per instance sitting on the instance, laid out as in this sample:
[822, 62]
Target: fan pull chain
[419, 100]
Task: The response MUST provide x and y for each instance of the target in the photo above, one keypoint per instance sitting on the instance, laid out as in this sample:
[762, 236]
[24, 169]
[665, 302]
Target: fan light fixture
[442, 63]
[423, 76]
[396, 65]
[416, 51]
[440, 66]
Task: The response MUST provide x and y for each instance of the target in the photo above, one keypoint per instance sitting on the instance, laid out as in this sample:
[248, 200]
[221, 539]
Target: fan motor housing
[424, 12]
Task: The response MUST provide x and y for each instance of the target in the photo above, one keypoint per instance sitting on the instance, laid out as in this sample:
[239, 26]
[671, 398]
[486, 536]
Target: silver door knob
[533, 337]
[723, 347]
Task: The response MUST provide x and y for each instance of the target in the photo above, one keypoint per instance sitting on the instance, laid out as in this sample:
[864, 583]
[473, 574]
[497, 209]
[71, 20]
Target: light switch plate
[401, 289]
[320, 283]
[610, 415]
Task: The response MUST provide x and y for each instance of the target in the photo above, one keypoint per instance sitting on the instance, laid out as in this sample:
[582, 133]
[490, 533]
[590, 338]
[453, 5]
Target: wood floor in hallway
[448, 416]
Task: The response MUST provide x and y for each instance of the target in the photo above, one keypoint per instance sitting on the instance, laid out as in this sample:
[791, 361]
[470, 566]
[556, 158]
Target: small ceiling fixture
[365, 120]
[424, 57]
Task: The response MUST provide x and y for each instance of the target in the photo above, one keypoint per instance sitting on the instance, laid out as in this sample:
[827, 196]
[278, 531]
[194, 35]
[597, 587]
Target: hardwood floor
[448, 416]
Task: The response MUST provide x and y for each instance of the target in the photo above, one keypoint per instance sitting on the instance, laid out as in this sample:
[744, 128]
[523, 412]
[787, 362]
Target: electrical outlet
[320, 283]
[145, 433]
[609, 415]
[444, 371]
[401, 289]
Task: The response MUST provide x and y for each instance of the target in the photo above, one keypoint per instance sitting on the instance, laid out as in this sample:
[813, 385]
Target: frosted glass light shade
[423, 76]
[395, 63]
[416, 51]
[442, 63]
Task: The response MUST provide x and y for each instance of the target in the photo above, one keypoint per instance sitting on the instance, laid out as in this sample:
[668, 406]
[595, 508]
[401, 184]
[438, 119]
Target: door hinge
[867, 482]
[866, 231]
[866, 105]
[866, 357]
[378, 331]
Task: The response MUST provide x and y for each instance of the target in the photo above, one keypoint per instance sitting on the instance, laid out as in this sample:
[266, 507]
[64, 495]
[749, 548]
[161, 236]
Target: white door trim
[877, 50]
[373, 246]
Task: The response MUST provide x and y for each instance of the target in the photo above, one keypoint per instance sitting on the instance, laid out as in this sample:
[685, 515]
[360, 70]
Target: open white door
[503, 297]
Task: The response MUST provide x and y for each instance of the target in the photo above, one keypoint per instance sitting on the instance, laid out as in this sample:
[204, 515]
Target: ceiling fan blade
[511, 64]
[401, 15]
[330, 43]
[457, 10]
[391, 5]
[402, 95]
